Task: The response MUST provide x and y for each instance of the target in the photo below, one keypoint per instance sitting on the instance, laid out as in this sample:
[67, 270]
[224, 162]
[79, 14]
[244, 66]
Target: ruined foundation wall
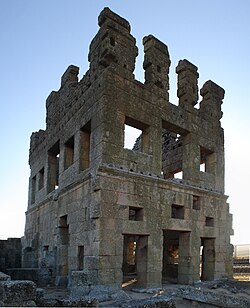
[90, 197]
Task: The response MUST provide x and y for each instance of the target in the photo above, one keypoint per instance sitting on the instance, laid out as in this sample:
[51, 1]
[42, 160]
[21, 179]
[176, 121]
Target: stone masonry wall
[10, 254]
[99, 212]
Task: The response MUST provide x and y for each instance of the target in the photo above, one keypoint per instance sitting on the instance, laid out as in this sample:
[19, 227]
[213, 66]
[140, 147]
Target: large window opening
[53, 167]
[136, 135]
[41, 179]
[172, 153]
[85, 134]
[132, 137]
[206, 160]
[69, 153]
[33, 189]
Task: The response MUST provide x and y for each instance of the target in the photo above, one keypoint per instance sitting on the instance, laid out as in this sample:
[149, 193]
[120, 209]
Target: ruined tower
[100, 213]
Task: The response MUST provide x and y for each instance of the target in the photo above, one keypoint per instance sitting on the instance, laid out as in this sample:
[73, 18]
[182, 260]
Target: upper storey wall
[89, 115]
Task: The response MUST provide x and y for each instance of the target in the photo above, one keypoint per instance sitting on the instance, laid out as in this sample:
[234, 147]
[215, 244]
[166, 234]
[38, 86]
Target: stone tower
[100, 213]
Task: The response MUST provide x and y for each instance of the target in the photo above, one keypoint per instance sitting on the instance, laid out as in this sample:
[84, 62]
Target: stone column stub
[210, 106]
[113, 47]
[187, 84]
[156, 64]
[70, 75]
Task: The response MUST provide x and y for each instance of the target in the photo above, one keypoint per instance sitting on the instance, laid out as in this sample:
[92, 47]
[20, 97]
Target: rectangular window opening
[172, 151]
[80, 258]
[178, 175]
[136, 135]
[85, 137]
[209, 222]
[177, 211]
[132, 138]
[135, 213]
[202, 167]
[33, 189]
[41, 179]
[63, 221]
[53, 167]
[69, 152]
[196, 203]
[206, 160]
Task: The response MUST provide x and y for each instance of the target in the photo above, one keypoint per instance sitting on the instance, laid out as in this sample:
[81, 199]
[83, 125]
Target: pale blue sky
[39, 39]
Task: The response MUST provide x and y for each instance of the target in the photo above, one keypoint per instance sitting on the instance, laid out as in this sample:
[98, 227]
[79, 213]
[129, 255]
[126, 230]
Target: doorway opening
[207, 259]
[170, 255]
[63, 246]
[176, 256]
[135, 250]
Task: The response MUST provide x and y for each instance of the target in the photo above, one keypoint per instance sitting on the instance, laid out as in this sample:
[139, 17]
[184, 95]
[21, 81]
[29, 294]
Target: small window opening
[135, 214]
[53, 167]
[33, 189]
[85, 137]
[80, 258]
[63, 221]
[177, 211]
[131, 137]
[196, 203]
[112, 41]
[69, 153]
[209, 222]
[46, 248]
[41, 179]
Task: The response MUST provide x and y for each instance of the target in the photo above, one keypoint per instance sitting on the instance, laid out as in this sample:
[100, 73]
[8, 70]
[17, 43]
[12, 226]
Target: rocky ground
[218, 293]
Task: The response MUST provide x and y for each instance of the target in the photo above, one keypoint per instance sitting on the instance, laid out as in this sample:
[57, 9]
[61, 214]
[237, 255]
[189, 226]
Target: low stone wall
[83, 283]
[41, 276]
[23, 274]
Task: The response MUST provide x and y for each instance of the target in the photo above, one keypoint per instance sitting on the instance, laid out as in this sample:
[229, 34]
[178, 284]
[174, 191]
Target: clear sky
[39, 39]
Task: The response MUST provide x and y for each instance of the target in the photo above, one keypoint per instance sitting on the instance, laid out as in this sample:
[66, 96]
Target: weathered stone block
[4, 277]
[18, 293]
